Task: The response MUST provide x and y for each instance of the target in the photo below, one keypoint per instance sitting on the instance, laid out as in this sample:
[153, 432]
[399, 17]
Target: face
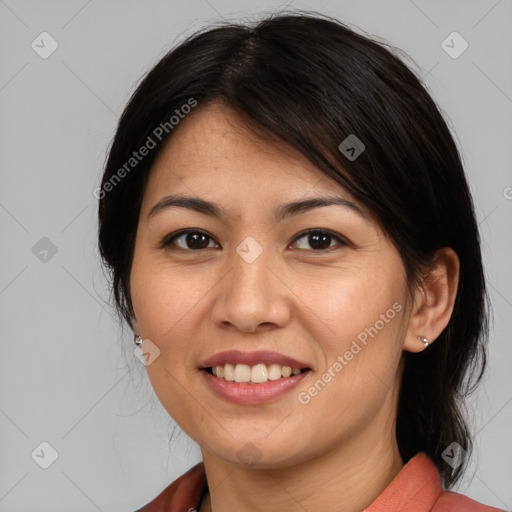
[333, 300]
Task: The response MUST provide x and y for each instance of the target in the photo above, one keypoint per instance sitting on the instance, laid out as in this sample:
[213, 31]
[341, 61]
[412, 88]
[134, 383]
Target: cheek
[167, 304]
[359, 337]
[164, 297]
[170, 304]
[363, 304]
[358, 324]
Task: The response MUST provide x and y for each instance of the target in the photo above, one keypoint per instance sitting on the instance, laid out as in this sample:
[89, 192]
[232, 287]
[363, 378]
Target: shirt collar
[416, 488]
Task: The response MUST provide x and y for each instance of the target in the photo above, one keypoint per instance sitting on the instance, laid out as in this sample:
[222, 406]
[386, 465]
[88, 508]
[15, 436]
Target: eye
[319, 239]
[191, 238]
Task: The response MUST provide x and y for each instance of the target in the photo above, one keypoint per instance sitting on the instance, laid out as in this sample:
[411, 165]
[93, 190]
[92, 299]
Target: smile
[256, 374]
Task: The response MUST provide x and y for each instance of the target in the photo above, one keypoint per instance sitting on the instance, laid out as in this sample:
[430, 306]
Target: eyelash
[169, 239]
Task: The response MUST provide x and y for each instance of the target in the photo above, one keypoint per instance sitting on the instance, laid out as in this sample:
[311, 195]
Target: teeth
[253, 374]
[274, 372]
[229, 372]
[286, 371]
[242, 373]
[259, 373]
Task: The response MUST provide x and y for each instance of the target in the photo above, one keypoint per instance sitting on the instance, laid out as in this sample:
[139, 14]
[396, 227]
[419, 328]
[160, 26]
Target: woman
[291, 238]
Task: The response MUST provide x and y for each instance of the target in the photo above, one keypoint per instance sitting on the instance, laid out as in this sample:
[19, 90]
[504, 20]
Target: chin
[257, 453]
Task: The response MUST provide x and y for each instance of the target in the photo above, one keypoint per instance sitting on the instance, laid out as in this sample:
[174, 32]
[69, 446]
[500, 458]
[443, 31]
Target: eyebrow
[282, 212]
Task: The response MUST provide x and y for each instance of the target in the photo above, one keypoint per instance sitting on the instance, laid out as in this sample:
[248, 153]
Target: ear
[135, 326]
[433, 300]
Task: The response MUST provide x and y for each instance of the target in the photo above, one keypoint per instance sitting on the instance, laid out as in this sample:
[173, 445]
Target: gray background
[65, 362]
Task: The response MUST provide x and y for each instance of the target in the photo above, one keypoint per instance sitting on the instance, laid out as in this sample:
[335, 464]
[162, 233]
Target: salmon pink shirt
[417, 488]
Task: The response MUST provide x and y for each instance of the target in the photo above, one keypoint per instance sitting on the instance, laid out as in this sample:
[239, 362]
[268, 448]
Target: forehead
[212, 153]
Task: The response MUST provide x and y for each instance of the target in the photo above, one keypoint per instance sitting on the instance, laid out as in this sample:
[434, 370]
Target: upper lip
[252, 359]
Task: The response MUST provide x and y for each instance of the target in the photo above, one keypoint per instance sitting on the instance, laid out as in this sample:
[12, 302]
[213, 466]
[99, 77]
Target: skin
[306, 303]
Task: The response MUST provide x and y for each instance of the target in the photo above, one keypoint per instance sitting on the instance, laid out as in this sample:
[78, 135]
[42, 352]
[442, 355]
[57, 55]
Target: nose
[252, 296]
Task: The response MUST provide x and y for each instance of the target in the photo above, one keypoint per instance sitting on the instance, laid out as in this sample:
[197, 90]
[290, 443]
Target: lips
[259, 368]
[252, 359]
[242, 393]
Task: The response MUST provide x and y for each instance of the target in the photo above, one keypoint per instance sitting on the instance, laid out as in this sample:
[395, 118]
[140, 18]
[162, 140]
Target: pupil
[194, 240]
[315, 238]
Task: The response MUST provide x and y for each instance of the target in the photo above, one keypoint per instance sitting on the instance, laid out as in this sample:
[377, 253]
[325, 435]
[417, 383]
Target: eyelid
[168, 239]
[342, 240]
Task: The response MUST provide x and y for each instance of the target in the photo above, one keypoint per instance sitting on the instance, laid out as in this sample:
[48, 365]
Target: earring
[424, 340]
[138, 340]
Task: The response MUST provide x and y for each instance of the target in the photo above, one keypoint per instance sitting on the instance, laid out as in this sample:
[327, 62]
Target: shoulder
[450, 501]
[418, 488]
[183, 494]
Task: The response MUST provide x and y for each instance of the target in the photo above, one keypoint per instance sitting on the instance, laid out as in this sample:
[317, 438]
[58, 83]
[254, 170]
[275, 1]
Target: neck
[346, 479]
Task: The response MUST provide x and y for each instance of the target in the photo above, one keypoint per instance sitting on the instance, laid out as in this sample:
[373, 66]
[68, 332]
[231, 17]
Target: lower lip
[243, 393]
